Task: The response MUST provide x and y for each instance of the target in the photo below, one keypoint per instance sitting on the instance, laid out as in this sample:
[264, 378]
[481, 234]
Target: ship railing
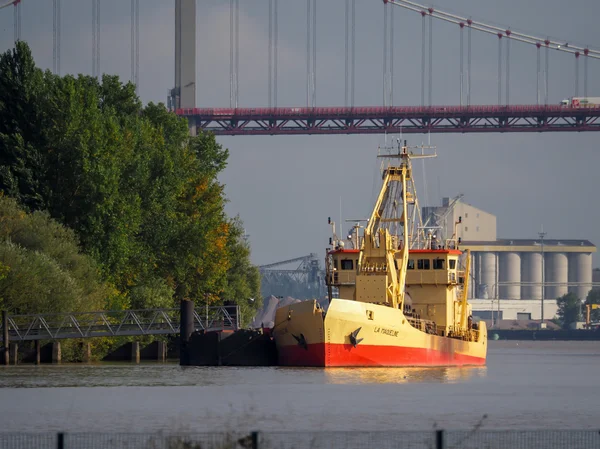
[463, 334]
[427, 326]
[342, 278]
[436, 277]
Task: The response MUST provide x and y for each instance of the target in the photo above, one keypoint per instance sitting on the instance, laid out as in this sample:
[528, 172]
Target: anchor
[355, 341]
[301, 341]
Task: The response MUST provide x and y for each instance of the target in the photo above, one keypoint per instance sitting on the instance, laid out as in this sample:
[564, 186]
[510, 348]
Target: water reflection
[403, 375]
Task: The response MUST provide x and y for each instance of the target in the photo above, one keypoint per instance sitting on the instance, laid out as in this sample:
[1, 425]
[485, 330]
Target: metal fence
[473, 439]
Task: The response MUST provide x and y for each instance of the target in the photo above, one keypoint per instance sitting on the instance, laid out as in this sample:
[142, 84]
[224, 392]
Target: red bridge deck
[379, 120]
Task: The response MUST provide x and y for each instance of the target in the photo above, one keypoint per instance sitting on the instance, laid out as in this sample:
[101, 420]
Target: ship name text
[382, 330]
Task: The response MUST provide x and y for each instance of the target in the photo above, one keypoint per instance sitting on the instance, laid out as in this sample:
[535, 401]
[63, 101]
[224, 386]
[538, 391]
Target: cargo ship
[397, 291]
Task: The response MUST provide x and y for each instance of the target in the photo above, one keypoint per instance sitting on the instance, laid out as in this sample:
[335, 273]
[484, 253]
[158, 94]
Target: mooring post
[56, 352]
[38, 350]
[5, 340]
[135, 352]
[161, 351]
[255, 438]
[14, 353]
[60, 440]
[439, 439]
[186, 328]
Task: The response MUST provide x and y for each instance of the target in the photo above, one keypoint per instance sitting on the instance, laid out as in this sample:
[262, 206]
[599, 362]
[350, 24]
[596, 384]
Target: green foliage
[593, 297]
[141, 196]
[45, 270]
[569, 309]
[243, 278]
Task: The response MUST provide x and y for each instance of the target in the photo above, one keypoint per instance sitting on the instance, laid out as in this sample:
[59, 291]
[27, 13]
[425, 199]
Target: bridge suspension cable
[491, 29]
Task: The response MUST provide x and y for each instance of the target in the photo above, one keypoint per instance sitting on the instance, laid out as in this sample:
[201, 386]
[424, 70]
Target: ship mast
[384, 255]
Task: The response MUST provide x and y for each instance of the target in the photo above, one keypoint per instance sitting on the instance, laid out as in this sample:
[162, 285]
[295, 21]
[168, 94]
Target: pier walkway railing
[55, 326]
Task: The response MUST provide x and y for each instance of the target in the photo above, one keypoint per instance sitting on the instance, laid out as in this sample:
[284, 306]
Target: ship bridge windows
[347, 264]
[411, 264]
[438, 264]
[423, 264]
[452, 263]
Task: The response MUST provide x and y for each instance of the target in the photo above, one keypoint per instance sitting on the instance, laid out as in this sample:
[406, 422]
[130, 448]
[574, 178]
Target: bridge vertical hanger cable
[269, 54]
[507, 67]
[308, 61]
[469, 63]
[385, 52]
[237, 52]
[96, 38]
[585, 72]
[54, 35]
[430, 54]
[461, 77]
[537, 81]
[547, 68]
[499, 69]
[135, 42]
[392, 57]
[94, 12]
[353, 53]
[314, 42]
[137, 45]
[17, 21]
[275, 50]
[346, 68]
[231, 53]
[423, 58]
[577, 74]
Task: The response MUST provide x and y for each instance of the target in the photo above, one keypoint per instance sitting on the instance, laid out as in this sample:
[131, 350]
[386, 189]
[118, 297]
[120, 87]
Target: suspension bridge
[578, 112]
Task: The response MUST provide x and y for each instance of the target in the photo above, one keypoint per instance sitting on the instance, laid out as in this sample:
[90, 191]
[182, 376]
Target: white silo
[580, 271]
[557, 271]
[531, 271]
[510, 271]
[487, 262]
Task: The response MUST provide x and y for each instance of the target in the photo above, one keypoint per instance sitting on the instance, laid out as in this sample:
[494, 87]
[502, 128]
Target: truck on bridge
[581, 102]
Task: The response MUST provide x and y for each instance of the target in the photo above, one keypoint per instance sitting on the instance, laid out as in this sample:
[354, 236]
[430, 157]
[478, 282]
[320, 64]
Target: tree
[43, 268]
[569, 309]
[593, 297]
[243, 278]
[141, 195]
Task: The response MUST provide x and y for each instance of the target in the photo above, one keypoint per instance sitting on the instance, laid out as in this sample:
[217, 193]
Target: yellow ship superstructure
[402, 294]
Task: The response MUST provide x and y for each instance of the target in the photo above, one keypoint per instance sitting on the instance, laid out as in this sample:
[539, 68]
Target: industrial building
[513, 269]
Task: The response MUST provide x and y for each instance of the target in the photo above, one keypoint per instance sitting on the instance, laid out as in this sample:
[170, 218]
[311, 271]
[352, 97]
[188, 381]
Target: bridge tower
[183, 95]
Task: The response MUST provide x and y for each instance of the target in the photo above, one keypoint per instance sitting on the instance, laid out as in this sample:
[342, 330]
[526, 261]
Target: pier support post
[186, 328]
[38, 350]
[439, 439]
[87, 352]
[14, 353]
[5, 340]
[56, 352]
[135, 352]
[161, 351]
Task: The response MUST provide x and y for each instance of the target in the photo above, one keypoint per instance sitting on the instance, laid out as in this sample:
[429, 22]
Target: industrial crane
[303, 282]
[588, 309]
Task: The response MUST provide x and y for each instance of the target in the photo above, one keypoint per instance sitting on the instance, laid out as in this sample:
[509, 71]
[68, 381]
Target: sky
[285, 188]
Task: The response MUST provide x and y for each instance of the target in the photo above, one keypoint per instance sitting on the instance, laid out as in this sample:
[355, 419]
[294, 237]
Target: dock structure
[58, 326]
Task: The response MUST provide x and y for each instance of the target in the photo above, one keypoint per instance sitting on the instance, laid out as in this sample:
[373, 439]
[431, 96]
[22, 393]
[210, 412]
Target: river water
[525, 385]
